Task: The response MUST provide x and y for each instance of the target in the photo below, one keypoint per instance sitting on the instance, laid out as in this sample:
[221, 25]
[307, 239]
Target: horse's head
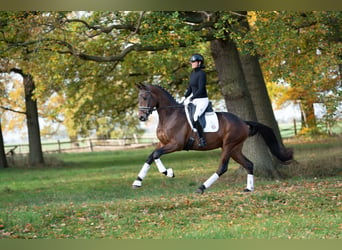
[147, 101]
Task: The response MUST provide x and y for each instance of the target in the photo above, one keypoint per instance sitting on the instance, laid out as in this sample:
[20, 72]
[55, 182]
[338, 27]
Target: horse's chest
[163, 134]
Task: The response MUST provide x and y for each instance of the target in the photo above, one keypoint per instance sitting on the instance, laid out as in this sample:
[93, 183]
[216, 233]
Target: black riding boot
[202, 142]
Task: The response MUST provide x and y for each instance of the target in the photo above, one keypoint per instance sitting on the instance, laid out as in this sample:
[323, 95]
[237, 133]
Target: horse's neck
[167, 108]
[172, 114]
[165, 101]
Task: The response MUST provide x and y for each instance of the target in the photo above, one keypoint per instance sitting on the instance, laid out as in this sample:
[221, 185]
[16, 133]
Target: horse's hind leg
[225, 155]
[246, 164]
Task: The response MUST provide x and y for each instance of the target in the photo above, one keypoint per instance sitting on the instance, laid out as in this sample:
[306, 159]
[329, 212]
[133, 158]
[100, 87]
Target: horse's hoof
[169, 173]
[199, 191]
[246, 190]
[136, 184]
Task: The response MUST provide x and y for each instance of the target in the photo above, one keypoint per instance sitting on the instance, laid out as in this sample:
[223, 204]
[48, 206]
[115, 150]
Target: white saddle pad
[212, 123]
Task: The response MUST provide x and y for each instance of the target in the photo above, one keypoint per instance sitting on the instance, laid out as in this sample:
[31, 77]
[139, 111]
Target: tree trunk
[3, 160]
[308, 115]
[238, 100]
[231, 79]
[256, 85]
[257, 88]
[35, 146]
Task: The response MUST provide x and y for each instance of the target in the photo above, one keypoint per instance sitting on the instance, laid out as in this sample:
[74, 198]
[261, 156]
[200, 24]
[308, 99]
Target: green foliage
[80, 57]
[47, 45]
[302, 50]
[21, 41]
[332, 114]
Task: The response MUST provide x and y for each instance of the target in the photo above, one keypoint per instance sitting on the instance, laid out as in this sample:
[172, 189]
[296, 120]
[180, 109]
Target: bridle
[150, 109]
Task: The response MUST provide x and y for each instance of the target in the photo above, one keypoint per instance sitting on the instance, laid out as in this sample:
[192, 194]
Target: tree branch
[201, 19]
[103, 29]
[139, 22]
[12, 110]
[127, 50]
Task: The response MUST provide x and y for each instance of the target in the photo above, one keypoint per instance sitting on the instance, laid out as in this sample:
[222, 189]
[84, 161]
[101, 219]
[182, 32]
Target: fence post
[295, 126]
[59, 146]
[90, 145]
[135, 138]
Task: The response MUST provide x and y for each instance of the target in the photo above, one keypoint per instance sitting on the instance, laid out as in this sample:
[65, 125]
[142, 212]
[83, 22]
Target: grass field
[89, 195]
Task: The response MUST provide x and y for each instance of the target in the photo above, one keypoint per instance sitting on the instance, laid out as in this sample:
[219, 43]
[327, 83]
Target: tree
[11, 38]
[238, 101]
[35, 146]
[303, 51]
[3, 159]
[144, 46]
[255, 78]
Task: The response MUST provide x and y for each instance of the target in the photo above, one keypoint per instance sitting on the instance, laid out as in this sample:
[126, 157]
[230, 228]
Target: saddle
[208, 119]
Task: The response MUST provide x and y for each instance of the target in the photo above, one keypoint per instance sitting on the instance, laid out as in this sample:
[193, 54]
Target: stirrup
[202, 142]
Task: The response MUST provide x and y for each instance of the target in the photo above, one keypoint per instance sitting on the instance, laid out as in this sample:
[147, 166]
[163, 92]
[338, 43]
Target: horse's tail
[283, 154]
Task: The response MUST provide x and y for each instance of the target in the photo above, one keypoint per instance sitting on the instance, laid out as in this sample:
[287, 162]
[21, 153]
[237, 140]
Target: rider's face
[195, 64]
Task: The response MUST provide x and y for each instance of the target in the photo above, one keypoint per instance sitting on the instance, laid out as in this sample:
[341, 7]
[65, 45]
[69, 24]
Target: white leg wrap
[137, 183]
[141, 175]
[211, 180]
[143, 171]
[160, 165]
[250, 182]
[162, 169]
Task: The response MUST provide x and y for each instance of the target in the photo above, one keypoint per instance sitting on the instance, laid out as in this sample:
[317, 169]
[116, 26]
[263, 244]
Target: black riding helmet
[198, 58]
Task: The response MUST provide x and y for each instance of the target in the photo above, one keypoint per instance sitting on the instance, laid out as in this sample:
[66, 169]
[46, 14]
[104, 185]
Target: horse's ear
[140, 85]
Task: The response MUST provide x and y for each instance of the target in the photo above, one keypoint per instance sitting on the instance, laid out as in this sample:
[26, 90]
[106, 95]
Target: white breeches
[201, 105]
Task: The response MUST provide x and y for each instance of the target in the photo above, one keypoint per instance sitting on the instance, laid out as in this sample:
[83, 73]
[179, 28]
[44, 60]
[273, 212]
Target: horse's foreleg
[155, 156]
[143, 172]
[161, 168]
[220, 171]
[168, 172]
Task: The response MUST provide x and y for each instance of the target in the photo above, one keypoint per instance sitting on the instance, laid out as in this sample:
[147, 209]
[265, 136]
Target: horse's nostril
[142, 118]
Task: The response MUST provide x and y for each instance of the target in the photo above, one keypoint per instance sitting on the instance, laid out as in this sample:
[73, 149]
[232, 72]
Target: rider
[197, 93]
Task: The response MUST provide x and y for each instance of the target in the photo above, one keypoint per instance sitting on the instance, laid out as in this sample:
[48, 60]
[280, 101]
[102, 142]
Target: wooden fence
[84, 145]
[92, 144]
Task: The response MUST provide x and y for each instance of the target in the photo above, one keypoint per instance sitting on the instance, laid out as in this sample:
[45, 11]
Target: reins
[156, 109]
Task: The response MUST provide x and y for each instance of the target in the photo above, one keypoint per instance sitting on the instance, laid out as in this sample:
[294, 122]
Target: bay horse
[174, 132]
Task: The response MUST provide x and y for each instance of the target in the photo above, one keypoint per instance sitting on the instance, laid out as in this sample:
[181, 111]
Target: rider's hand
[187, 101]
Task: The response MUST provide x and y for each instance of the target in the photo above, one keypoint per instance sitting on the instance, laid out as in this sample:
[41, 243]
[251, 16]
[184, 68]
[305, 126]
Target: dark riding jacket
[197, 84]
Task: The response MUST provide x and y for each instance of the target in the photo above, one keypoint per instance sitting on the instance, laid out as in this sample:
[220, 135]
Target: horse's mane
[169, 96]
